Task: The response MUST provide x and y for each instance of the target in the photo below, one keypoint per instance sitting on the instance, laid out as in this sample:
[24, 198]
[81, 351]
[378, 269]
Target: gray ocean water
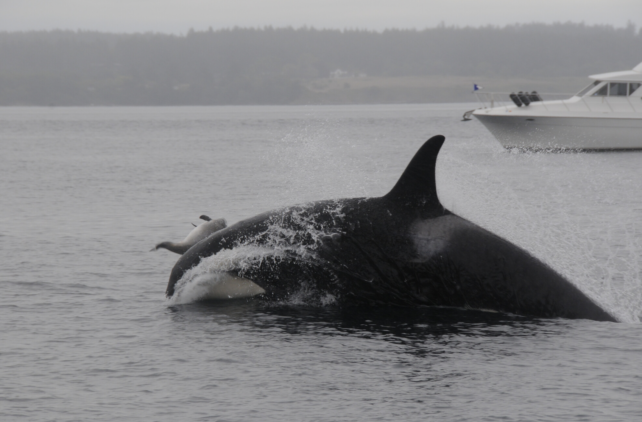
[87, 335]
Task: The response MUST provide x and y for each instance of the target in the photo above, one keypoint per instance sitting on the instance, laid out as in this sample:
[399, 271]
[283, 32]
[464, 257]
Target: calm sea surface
[87, 335]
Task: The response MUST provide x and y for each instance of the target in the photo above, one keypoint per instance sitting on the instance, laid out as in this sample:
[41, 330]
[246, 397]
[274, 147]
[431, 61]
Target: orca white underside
[223, 286]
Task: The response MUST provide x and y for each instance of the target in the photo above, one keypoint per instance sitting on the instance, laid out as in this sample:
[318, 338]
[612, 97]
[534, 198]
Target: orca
[197, 234]
[403, 248]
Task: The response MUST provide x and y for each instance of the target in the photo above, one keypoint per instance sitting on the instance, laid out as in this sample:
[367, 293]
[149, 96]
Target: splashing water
[202, 281]
[295, 239]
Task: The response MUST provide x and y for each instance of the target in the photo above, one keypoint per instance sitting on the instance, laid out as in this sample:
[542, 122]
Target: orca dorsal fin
[417, 183]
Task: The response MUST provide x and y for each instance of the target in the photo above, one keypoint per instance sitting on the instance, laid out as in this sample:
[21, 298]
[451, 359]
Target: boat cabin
[615, 84]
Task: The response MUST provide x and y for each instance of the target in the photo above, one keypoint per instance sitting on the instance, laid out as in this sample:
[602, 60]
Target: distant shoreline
[379, 90]
[279, 66]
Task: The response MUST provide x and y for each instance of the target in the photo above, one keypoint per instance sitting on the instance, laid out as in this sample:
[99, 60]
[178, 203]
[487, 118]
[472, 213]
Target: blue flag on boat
[476, 87]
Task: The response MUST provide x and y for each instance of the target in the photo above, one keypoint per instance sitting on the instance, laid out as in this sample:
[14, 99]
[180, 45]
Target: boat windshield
[587, 89]
[602, 92]
[612, 89]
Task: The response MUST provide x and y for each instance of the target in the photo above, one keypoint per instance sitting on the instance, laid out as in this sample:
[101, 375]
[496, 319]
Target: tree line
[277, 65]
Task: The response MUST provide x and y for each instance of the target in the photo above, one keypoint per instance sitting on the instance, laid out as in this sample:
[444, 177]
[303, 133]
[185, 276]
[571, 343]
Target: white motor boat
[606, 115]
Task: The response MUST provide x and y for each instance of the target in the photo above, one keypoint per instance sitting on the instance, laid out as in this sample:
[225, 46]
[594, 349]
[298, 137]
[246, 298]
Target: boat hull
[564, 132]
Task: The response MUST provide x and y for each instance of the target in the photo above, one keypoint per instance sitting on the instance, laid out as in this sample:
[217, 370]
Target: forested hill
[306, 65]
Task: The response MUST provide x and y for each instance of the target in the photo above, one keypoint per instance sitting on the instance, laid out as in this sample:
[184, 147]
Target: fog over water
[306, 65]
[178, 16]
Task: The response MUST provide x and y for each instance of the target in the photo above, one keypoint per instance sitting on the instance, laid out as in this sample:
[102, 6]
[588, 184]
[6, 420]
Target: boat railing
[503, 99]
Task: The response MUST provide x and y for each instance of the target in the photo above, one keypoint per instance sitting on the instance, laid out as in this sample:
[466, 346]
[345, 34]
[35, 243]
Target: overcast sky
[177, 16]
